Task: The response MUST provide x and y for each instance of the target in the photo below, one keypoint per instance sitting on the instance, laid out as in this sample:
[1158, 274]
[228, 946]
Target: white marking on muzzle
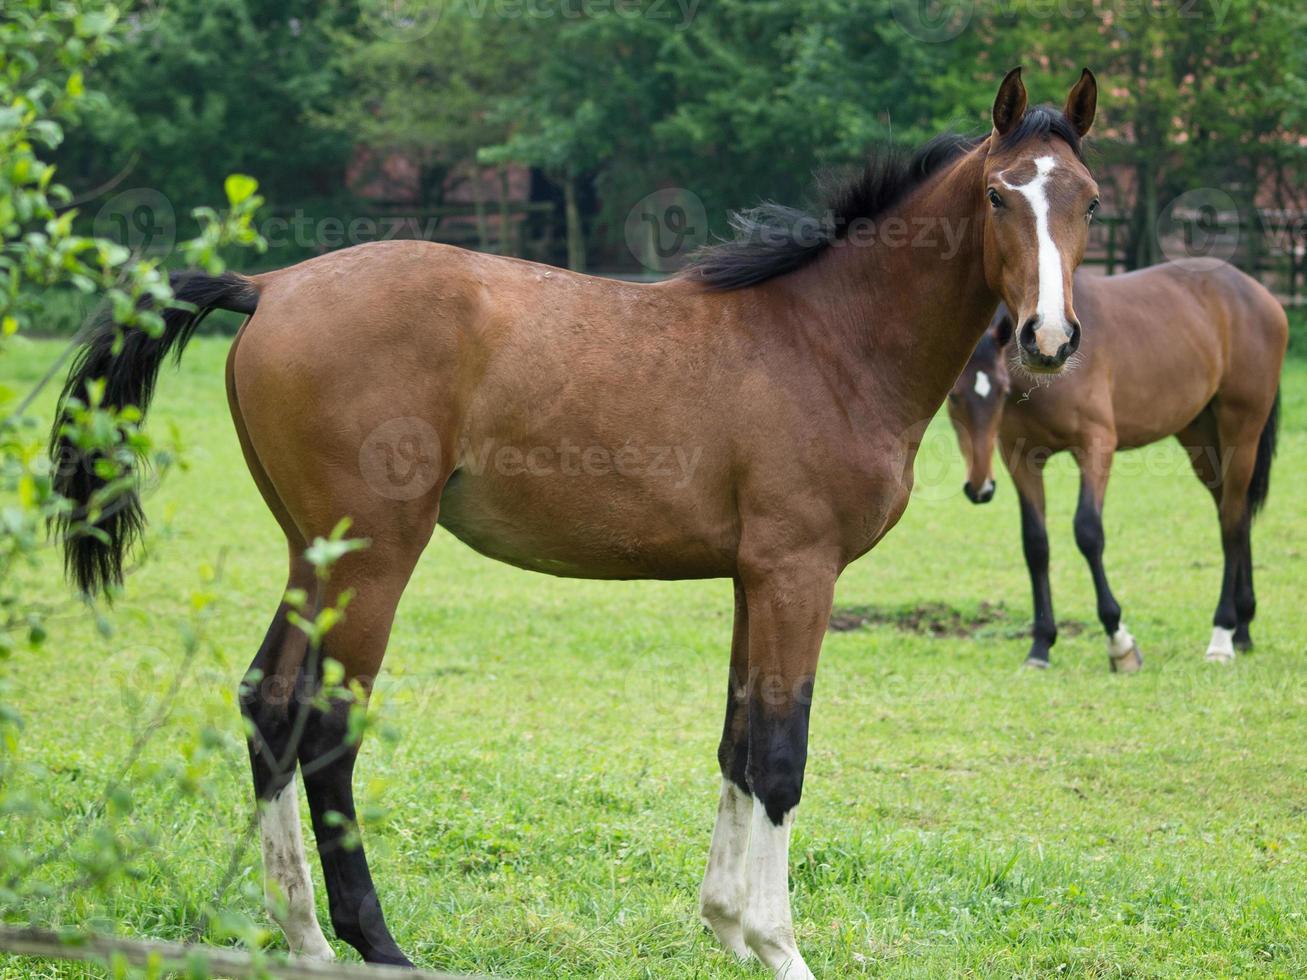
[1051, 330]
[982, 384]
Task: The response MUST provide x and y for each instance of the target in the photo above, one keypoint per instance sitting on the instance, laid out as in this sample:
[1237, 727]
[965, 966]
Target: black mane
[773, 239]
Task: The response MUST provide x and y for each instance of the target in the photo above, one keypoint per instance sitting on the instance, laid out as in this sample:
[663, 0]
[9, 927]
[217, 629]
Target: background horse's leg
[1095, 464]
[721, 899]
[270, 706]
[1238, 439]
[788, 614]
[1245, 598]
[1028, 475]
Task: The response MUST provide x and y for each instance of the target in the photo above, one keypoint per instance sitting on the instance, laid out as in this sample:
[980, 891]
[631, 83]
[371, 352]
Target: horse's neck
[914, 303]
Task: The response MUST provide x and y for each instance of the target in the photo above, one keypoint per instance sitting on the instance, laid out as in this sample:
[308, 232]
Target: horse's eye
[1093, 209]
[994, 199]
[953, 397]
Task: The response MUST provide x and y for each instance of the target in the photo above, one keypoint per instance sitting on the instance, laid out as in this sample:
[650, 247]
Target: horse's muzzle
[982, 496]
[1033, 346]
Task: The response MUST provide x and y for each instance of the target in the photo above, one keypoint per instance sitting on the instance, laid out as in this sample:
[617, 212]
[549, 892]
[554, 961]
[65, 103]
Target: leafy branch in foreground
[47, 53]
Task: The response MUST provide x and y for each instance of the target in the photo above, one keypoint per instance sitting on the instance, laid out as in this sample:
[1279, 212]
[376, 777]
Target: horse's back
[1167, 339]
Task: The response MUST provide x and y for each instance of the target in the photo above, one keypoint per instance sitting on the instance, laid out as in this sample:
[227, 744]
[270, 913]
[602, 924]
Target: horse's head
[975, 407]
[1041, 198]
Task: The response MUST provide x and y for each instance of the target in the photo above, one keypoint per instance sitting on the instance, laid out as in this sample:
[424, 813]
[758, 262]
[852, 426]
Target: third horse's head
[975, 406]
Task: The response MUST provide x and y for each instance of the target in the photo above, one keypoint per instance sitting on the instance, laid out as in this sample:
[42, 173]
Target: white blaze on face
[983, 386]
[1051, 330]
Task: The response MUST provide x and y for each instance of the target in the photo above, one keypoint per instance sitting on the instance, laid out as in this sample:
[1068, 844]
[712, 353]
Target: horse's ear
[1010, 103]
[1082, 103]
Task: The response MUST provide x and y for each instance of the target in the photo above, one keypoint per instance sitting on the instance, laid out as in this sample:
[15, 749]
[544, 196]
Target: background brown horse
[532, 412]
[1189, 349]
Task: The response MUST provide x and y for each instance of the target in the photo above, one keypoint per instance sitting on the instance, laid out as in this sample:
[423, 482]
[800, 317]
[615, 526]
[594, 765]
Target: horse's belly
[588, 529]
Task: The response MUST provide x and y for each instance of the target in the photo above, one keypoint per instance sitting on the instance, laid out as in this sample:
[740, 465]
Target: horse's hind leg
[269, 705]
[1238, 438]
[1245, 600]
[327, 750]
[722, 897]
[267, 696]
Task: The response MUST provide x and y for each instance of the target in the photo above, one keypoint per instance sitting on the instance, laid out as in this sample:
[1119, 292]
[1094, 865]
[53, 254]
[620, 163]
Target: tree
[198, 88]
[47, 53]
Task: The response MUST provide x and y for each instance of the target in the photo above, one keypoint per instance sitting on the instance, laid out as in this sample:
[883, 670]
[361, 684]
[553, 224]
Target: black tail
[1260, 487]
[98, 478]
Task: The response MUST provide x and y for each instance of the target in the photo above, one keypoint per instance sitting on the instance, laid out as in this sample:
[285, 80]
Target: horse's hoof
[1130, 662]
[1221, 649]
[1034, 663]
[730, 934]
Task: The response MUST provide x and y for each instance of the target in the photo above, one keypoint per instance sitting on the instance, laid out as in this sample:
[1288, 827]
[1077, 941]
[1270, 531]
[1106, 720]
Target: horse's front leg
[1095, 462]
[789, 609]
[721, 899]
[1028, 475]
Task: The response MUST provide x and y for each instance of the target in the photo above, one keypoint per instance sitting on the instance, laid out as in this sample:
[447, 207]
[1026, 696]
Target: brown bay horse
[1191, 349]
[531, 412]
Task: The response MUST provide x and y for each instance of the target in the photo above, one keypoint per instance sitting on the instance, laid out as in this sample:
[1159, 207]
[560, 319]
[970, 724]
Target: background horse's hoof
[1034, 663]
[1221, 649]
[1130, 662]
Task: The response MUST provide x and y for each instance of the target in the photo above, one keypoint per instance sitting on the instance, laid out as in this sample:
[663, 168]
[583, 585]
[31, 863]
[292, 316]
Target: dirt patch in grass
[940, 619]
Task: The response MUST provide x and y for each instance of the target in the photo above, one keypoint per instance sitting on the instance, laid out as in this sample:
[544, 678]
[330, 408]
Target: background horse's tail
[1260, 486]
[98, 475]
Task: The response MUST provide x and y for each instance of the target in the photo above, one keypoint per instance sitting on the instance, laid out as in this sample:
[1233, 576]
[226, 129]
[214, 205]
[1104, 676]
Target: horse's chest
[873, 503]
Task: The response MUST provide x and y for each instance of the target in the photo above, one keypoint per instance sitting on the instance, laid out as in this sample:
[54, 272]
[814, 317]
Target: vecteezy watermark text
[401, 459]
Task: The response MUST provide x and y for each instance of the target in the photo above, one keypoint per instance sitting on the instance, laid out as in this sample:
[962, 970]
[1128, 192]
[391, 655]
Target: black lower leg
[733, 750]
[1034, 541]
[266, 699]
[1235, 543]
[1090, 540]
[1245, 601]
[778, 752]
[327, 757]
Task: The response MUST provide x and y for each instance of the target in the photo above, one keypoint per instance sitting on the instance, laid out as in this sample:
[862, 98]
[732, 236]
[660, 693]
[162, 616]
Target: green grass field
[550, 786]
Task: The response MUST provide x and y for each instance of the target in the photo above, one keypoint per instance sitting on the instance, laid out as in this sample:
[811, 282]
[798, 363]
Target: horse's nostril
[1073, 344]
[1026, 338]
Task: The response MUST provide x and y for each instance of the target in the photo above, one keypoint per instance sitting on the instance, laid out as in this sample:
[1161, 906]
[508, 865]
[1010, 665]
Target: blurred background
[613, 135]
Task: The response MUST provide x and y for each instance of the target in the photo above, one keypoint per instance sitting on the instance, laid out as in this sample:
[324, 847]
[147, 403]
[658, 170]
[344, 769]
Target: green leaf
[239, 187]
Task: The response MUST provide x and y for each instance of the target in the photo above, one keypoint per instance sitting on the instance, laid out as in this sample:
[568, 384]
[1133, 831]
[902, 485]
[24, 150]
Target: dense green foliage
[964, 818]
[544, 806]
[736, 100]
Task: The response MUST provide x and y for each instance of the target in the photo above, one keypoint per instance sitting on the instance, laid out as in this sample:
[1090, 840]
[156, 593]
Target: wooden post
[506, 244]
[194, 960]
[479, 201]
[575, 232]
